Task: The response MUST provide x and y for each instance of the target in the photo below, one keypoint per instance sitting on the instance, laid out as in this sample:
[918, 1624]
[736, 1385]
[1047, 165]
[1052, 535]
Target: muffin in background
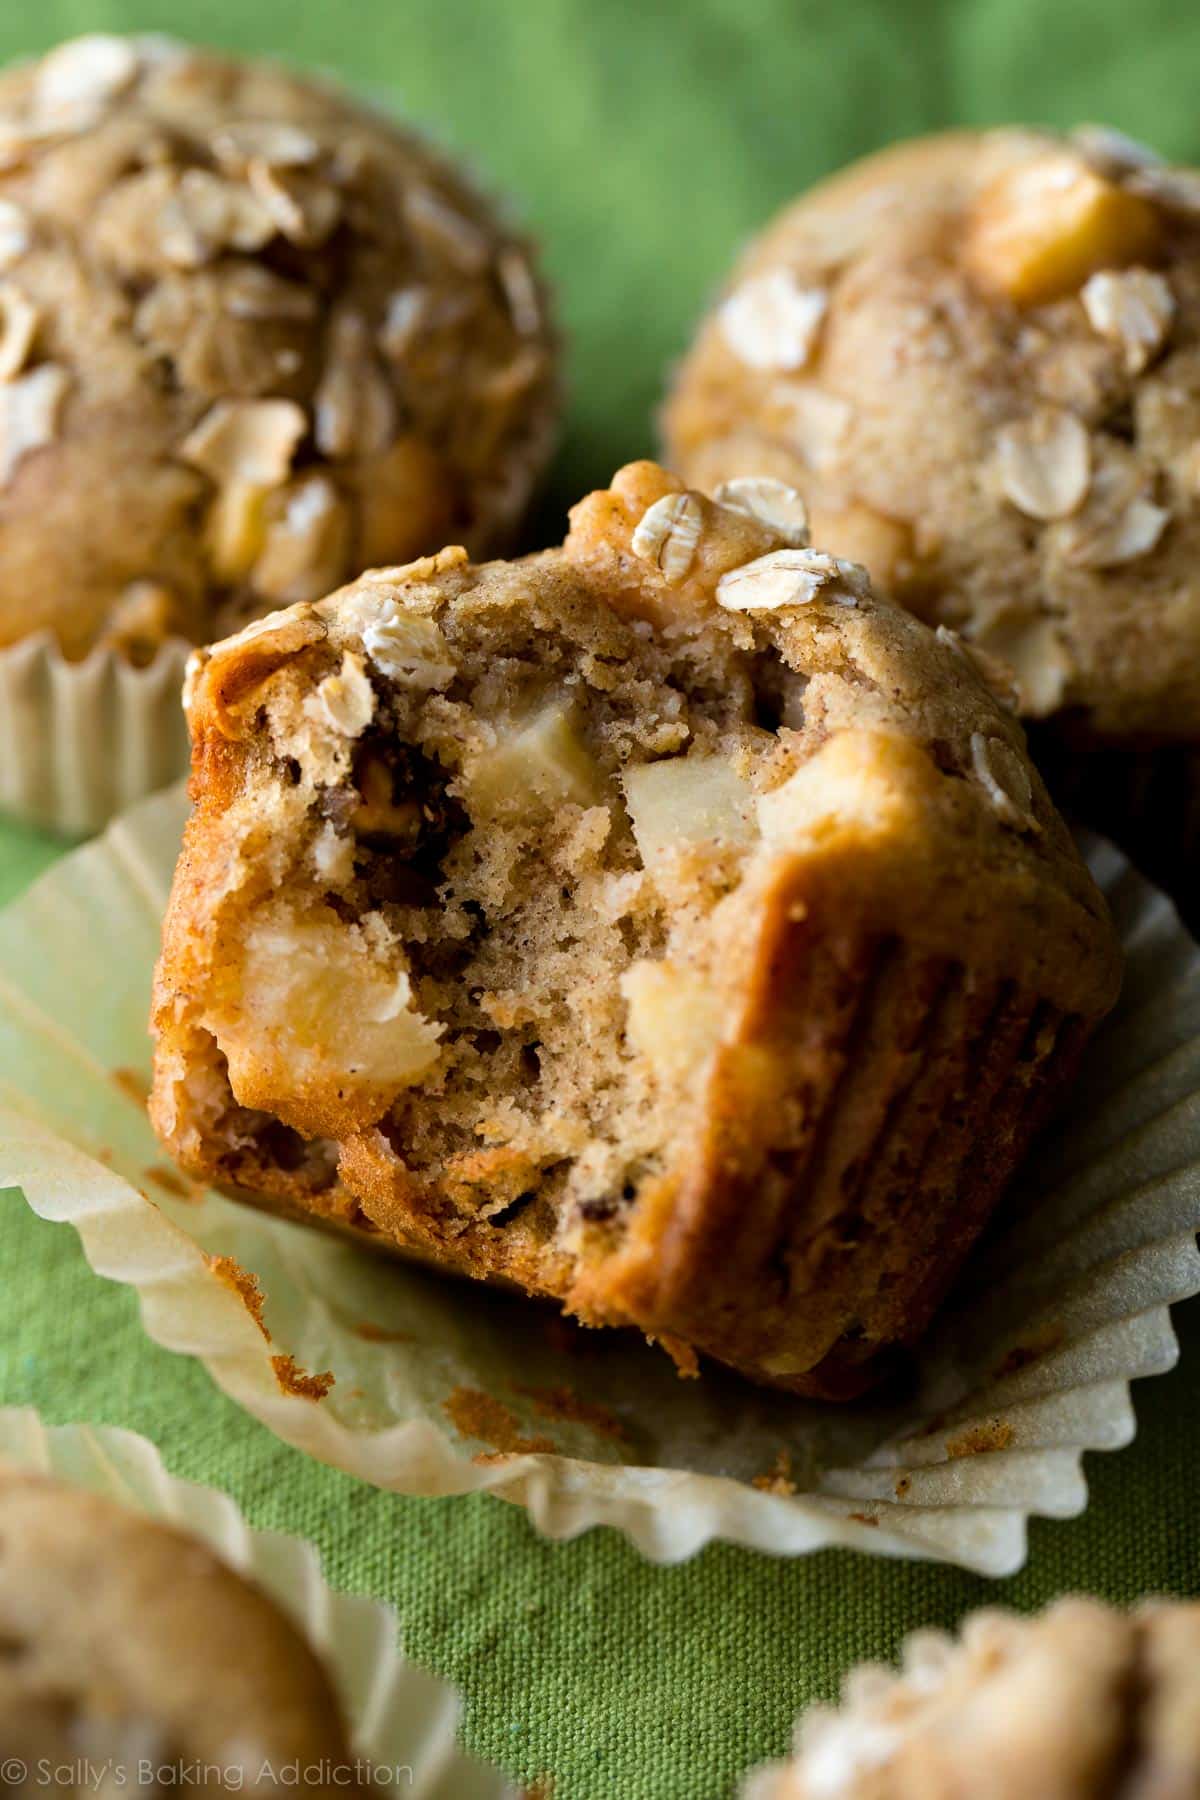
[253, 337]
[1080, 1702]
[128, 1643]
[661, 923]
[978, 357]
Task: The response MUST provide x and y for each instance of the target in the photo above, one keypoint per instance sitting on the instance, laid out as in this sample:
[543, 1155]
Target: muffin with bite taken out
[663, 924]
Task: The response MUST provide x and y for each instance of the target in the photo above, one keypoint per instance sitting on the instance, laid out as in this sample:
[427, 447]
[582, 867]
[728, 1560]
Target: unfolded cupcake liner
[81, 741]
[401, 1721]
[428, 1385]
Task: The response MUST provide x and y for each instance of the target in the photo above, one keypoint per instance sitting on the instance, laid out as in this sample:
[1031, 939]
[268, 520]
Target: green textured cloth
[642, 144]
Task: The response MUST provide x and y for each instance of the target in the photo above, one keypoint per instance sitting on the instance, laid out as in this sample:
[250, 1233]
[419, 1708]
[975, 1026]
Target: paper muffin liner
[399, 1718]
[427, 1385]
[81, 741]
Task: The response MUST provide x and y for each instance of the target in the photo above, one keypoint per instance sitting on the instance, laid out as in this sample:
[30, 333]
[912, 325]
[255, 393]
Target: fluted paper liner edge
[81, 741]
[443, 1387]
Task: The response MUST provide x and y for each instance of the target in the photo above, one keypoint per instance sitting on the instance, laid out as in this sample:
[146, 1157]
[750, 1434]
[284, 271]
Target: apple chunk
[321, 1005]
[673, 1018]
[540, 758]
[688, 800]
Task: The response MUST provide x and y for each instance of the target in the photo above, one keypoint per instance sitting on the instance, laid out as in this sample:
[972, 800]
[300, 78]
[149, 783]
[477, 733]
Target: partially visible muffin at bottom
[130, 1650]
[1079, 1703]
[661, 923]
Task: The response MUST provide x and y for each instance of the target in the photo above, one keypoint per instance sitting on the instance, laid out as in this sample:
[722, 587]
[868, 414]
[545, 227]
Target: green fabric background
[642, 143]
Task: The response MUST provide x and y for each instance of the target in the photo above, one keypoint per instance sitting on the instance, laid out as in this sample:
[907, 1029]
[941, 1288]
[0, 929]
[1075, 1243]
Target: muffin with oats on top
[663, 924]
[978, 356]
[253, 337]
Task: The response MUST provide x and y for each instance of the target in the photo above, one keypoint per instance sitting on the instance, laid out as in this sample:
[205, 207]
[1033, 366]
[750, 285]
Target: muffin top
[1080, 1703]
[976, 354]
[252, 337]
[127, 1639]
[770, 652]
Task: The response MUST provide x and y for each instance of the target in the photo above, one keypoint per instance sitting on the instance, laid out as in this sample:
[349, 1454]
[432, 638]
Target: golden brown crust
[978, 356]
[1081, 1702]
[885, 950]
[131, 1639]
[914, 1081]
[253, 337]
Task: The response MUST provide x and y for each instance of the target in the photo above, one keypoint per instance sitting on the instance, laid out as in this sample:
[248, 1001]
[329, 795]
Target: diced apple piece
[236, 529]
[674, 1016]
[1042, 228]
[688, 800]
[859, 780]
[540, 758]
[321, 1000]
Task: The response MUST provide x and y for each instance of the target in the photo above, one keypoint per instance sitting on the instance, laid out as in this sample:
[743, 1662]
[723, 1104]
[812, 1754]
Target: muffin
[661, 924]
[1079, 1703]
[253, 337]
[978, 356]
[128, 1643]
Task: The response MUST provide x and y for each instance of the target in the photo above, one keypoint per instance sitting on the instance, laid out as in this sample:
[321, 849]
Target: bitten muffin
[128, 1643]
[253, 337]
[661, 923]
[1079, 1703]
[978, 356]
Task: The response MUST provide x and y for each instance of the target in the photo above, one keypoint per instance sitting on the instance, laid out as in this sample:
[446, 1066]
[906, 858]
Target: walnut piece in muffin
[253, 337]
[661, 923]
